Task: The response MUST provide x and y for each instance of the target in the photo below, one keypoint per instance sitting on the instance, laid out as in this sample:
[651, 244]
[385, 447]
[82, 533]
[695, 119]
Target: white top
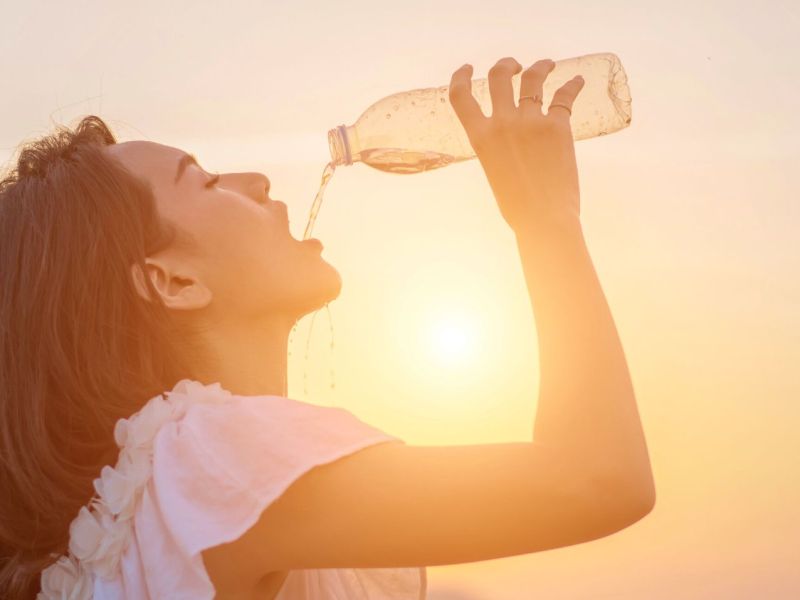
[197, 467]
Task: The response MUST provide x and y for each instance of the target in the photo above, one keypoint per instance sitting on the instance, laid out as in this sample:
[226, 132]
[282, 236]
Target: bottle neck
[340, 145]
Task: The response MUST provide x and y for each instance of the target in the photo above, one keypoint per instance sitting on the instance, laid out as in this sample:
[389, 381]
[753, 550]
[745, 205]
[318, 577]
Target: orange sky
[690, 215]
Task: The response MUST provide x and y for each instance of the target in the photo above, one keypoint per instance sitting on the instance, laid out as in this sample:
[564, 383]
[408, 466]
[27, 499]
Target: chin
[336, 285]
[327, 289]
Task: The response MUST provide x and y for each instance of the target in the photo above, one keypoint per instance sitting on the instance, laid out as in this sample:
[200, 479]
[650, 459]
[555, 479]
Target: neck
[247, 359]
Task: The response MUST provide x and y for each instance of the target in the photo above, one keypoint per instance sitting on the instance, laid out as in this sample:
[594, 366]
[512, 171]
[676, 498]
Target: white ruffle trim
[99, 535]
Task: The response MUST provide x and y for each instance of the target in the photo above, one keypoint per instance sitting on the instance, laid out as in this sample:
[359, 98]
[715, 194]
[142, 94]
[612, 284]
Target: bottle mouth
[339, 146]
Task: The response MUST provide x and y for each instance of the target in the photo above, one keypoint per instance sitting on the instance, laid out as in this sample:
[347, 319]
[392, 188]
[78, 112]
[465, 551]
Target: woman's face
[243, 257]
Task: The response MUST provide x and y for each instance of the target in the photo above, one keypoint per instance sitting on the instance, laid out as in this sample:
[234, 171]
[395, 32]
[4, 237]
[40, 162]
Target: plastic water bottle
[418, 130]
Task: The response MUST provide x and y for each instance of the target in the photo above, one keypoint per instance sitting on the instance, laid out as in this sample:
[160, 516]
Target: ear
[177, 290]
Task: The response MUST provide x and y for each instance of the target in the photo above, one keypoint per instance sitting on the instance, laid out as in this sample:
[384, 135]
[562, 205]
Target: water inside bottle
[399, 160]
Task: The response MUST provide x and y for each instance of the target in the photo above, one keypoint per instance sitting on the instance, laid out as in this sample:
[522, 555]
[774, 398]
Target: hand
[528, 157]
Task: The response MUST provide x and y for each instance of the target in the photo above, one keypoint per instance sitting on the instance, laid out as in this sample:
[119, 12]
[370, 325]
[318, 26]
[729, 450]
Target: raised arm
[586, 406]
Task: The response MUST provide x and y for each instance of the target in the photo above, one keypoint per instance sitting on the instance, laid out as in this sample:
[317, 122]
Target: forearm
[587, 405]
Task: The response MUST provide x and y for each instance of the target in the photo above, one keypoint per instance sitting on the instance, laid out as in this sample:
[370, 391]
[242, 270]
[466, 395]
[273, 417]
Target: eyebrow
[184, 162]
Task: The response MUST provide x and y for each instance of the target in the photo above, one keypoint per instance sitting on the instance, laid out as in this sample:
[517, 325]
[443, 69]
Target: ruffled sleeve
[216, 469]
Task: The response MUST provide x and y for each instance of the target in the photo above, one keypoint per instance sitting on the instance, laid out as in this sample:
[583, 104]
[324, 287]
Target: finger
[463, 102]
[564, 97]
[500, 87]
[532, 84]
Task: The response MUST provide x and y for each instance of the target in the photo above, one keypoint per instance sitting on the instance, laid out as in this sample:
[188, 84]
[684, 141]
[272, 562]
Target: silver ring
[536, 98]
[569, 110]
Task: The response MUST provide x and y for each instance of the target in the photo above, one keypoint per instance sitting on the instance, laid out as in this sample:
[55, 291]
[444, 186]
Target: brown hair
[79, 348]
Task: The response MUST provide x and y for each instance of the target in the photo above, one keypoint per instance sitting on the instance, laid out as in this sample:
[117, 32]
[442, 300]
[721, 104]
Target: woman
[148, 446]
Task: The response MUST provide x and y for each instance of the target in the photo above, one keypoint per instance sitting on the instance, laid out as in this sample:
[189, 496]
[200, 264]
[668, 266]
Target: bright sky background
[691, 215]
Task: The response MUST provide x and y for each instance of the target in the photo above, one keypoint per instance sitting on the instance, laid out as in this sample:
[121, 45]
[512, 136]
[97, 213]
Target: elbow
[627, 510]
[638, 499]
[626, 501]
[642, 507]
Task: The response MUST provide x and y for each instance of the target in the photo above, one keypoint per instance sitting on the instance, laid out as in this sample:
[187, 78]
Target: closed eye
[213, 181]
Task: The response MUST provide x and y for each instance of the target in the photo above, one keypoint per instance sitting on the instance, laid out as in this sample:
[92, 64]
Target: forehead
[153, 161]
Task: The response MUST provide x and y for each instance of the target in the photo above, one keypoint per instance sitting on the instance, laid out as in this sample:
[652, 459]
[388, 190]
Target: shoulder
[217, 467]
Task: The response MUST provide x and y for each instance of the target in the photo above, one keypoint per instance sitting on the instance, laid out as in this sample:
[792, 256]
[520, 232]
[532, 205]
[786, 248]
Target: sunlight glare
[452, 341]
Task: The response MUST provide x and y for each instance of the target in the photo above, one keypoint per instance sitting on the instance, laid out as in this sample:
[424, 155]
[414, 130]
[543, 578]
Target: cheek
[240, 245]
[257, 265]
[274, 277]
[269, 257]
[240, 232]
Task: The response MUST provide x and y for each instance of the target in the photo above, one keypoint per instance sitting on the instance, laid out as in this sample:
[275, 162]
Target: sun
[452, 340]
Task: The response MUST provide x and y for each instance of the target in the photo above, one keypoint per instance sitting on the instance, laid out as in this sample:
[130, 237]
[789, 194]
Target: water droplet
[388, 116]
[441, 100]
[395, 107]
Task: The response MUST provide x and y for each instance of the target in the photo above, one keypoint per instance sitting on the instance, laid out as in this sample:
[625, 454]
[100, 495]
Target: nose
[259, 187]
[264, 182]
